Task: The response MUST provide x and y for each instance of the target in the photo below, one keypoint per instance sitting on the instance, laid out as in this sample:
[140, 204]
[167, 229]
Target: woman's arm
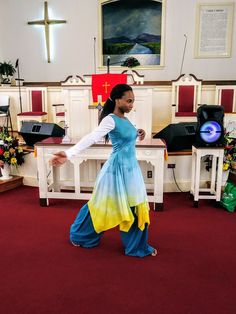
[104, 128]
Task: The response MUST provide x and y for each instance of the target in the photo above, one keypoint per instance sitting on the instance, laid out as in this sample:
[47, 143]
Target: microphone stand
[94, 54]
[108, 64]
[19, 87]
[185, 44]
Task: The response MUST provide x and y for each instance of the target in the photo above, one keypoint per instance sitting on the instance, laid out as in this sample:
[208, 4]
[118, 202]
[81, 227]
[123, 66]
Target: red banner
[102, 85]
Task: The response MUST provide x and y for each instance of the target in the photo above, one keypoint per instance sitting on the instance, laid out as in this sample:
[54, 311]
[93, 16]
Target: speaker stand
[214, 192]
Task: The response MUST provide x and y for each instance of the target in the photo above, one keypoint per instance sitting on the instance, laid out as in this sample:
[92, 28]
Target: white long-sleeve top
[106, 125]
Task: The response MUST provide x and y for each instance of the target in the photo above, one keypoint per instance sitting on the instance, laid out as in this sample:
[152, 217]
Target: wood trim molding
[41, 84]
[146, 83]
[225, 82]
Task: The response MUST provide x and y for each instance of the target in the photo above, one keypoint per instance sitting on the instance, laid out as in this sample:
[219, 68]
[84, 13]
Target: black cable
[37, 175]
[177, 183]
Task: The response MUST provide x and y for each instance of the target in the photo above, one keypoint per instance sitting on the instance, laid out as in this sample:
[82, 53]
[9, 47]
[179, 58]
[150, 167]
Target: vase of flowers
[229, 162]
[5, 170]
[130, 62]
[11, 154]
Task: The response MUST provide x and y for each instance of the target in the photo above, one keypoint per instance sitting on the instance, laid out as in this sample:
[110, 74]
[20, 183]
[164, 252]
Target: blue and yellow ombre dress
[119, 197]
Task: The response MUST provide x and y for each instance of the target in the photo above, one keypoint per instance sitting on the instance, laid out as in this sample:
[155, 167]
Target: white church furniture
[185, 97]
[151, 151]
[78, 99]
[5, 114]
[134, 77]
[36, 106]
[214, 191]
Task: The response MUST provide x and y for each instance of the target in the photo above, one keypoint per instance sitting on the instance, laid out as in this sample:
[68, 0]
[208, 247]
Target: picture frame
[214, 27]
[131, 29]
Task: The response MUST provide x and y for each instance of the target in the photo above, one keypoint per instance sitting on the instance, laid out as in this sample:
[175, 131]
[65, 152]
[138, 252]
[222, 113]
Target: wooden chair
[5, 112]
[186, 97]
[225, 95]
[36, 106]
[59, 114]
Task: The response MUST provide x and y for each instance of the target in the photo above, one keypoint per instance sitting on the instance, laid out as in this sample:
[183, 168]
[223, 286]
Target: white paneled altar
[82, 117]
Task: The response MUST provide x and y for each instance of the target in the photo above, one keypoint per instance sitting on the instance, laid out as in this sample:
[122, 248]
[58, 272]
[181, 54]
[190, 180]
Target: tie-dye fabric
[120, 184]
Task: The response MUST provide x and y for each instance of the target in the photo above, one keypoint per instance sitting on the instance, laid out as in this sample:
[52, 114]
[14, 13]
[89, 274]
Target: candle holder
[66, 138]
[99, 105]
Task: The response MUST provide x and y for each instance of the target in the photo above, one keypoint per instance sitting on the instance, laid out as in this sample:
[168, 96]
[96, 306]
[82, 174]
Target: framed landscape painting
[132, 29]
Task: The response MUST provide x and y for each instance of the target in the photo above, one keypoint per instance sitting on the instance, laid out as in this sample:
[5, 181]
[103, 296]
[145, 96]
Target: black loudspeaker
[33, 132]
[210, 126]
[178, 136]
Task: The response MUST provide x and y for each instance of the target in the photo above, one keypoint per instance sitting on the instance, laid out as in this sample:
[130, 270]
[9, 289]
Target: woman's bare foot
[75, 244]
[154, 253]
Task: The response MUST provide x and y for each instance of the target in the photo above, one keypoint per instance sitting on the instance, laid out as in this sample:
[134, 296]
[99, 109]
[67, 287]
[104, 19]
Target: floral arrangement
[130, 62]
[229, 153]
[10, 151]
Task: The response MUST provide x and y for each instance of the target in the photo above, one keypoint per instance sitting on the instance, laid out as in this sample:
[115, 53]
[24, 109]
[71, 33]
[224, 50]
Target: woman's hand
[59, 159]
[141, 134]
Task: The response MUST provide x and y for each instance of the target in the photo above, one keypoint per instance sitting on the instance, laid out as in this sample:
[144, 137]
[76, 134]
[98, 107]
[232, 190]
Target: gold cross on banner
[106, 85]
[46, 22]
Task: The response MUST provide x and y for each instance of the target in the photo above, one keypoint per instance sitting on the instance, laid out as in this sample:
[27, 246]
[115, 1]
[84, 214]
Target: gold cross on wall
[106, 85]
[46, 22]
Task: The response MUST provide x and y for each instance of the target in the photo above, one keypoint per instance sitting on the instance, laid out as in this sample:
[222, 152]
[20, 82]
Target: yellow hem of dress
[99, 225]
[141, 210]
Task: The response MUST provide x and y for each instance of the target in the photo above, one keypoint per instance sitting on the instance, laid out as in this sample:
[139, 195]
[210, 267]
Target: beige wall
[73, 42]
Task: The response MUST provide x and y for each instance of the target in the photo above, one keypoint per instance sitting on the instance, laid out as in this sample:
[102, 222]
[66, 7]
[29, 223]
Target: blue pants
[135, 241]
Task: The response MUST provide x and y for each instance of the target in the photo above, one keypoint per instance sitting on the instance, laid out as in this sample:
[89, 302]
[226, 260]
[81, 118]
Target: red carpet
[40, 272]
